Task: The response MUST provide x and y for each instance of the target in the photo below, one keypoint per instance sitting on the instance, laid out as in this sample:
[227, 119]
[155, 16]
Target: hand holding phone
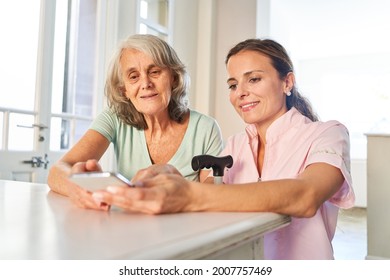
[94, 181]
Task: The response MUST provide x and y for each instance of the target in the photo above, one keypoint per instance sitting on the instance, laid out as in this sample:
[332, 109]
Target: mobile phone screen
[99, 180]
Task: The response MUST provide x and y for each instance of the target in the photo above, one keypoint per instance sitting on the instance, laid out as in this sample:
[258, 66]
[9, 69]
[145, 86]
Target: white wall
[185, 25]
[235, 22]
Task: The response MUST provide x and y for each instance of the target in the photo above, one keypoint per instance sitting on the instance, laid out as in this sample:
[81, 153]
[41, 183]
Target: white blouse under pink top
[293, 143]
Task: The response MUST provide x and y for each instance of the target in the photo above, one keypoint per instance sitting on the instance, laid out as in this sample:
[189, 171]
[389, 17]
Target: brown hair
[282, 63]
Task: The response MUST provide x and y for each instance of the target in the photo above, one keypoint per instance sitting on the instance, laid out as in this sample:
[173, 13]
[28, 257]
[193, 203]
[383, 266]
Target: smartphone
[94, 181]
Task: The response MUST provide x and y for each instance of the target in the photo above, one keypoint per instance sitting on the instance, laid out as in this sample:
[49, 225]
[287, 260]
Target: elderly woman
[148, 120]
[286, 161]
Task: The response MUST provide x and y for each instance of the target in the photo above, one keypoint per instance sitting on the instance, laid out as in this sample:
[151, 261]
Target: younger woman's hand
[163, 193]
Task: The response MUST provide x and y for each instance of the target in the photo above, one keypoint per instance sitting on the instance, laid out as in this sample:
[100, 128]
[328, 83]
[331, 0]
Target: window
[26, 66]
[18, 73]
[154, 18]
[18, 90]
[74, 74]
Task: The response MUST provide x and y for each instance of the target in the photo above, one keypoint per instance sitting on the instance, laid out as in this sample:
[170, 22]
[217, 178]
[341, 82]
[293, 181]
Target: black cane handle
[218, 164]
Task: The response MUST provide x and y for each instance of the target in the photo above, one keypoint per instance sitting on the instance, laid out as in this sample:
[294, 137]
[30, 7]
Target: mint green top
[203, 136]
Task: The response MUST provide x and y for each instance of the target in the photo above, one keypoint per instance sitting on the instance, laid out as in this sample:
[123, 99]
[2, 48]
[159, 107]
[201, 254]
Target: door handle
[38, 162]
[40, 126]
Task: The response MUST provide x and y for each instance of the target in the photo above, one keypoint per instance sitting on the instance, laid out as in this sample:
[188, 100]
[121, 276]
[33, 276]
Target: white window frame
[167, 31]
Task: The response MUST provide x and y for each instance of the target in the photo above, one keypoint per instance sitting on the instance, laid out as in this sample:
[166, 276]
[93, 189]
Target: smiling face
[147, 85]
[256, 91]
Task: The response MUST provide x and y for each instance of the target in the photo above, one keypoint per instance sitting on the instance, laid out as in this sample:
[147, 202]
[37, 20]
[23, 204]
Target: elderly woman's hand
[81, 197]
[154, 170]
[84, 199]
[91, 165]
[164, 193]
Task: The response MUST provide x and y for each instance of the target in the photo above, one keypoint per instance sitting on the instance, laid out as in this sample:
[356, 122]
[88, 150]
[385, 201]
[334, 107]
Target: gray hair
[163, 56]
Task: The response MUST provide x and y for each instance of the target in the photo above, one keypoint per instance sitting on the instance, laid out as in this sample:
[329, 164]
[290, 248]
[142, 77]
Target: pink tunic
[293, 143]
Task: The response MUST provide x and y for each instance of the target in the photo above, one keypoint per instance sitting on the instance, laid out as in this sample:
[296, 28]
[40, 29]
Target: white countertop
[36, 223]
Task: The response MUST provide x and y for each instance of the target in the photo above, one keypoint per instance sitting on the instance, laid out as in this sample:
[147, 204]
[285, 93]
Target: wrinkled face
[256, 90]
[147, 86]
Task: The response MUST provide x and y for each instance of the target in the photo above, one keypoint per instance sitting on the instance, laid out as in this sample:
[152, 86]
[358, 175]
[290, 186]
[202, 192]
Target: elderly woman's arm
[83, 157]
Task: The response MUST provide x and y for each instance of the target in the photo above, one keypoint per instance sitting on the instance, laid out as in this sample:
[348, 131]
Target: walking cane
[218, 165]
